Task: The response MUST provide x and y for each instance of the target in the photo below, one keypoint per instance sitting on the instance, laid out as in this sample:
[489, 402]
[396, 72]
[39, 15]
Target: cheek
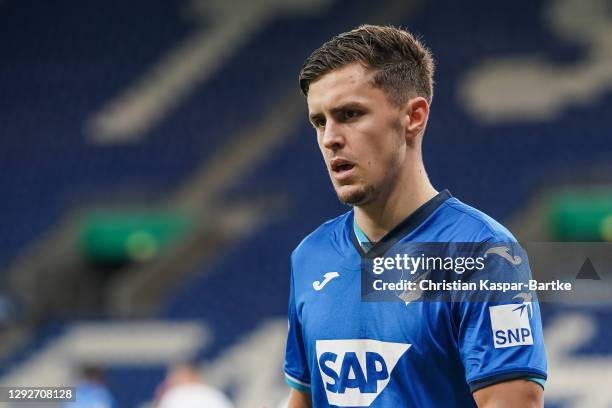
[323, 151]
[383, 159]
[374, 165]
[379, 154]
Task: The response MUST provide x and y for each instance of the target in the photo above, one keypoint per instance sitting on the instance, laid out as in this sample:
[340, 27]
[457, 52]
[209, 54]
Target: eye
[350, 114]
[318, 123]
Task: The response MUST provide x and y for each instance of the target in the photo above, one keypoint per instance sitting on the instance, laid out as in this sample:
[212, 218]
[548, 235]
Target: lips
[341, 168]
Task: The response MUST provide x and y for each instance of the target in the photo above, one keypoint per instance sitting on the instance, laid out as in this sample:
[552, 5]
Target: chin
[355, 195]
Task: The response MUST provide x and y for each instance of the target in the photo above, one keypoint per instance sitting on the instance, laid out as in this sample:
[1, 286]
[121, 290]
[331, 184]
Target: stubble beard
[361, 196]
[369, 193]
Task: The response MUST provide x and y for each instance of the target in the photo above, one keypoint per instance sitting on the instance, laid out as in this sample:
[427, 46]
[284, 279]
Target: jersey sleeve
[297, 373]
[500, 335]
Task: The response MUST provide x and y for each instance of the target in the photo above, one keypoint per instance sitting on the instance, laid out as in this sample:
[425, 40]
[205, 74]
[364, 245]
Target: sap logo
[376, 370]
[356, 371]
[510, 325]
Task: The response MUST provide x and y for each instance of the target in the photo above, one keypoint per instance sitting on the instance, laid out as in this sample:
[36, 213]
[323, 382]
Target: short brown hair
[403, 67]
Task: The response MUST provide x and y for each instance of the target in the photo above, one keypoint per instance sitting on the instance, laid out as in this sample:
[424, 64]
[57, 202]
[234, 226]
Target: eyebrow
[334, 111]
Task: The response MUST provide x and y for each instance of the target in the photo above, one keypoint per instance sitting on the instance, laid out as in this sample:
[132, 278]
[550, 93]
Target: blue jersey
[351, 353]
[91, 394]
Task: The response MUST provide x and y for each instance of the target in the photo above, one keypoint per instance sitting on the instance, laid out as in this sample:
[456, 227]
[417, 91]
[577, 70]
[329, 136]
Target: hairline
[372, 72]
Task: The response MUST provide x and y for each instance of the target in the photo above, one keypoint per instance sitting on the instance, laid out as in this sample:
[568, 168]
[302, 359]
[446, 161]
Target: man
[368, 92]
[184, 388]
[91, 390]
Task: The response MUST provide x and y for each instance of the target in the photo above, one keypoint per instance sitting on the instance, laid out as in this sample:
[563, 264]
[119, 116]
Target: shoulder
[472, 225]
[326, 236]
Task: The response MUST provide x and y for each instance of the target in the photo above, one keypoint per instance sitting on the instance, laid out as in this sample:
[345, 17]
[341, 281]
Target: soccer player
[368, 92]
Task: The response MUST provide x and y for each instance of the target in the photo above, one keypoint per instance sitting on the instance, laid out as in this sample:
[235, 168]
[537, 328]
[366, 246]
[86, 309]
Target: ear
[417, 112]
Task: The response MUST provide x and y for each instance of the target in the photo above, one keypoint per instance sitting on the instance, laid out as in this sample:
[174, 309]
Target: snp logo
[356, 371]
[510, 324]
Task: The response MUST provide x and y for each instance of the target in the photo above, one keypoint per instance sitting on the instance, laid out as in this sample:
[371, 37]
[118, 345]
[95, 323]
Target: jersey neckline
[409, 224]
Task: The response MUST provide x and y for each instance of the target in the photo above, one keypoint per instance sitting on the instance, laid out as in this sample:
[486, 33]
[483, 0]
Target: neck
[410, 191]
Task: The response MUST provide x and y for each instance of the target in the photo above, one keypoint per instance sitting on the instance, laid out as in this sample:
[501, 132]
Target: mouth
[341, 168]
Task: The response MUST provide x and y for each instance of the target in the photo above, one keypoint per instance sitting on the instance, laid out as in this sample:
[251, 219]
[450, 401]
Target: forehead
[351, 83]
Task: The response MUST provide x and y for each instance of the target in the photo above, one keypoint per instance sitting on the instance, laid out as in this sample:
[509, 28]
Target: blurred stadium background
[157, 169]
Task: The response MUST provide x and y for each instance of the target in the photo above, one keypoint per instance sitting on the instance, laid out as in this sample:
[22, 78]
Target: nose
[333, 137]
